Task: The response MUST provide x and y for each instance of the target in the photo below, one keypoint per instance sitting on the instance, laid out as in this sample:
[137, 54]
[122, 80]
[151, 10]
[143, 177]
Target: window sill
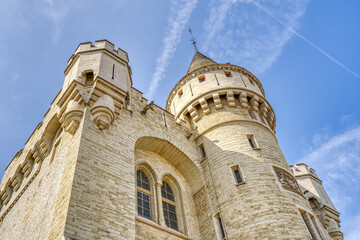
[238, 184]
[203, 159]
[162, 228]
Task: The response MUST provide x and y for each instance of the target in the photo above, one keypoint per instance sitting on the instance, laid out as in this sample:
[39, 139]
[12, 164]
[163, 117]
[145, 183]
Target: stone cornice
[205, 69]
[220, 90]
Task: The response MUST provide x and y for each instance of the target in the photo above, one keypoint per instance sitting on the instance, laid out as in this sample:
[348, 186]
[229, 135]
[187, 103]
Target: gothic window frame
[151, 192]
[179, 209]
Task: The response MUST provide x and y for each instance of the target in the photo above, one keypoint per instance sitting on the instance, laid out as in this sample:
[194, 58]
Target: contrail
[179, 17]
[305, 39]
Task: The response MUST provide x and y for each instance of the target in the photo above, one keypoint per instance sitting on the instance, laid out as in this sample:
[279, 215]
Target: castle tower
[252, 189]
[106, 164]
[319, 200]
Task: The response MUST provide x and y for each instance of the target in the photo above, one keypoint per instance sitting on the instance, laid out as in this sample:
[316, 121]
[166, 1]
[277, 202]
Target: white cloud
[179, 17]
[56, 11]
[240, 31]
[292, 30]
[336, 160]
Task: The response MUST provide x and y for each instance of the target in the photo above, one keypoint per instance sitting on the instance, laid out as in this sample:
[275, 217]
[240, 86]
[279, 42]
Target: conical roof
[199, 60]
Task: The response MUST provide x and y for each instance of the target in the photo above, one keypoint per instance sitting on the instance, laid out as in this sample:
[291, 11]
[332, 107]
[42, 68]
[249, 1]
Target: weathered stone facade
[214, 147]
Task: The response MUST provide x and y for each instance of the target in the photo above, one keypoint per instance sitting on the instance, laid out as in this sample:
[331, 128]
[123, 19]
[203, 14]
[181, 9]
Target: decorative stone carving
[204, 106]
[193, 113]
[26, 166]
[334, 230]
[230, 98]
[16, 180]
[287, 180]
[244, 101]
[103, 112]
[255, 103]
[217, 101]
[5, 194]
[39, 151]
[72, 117]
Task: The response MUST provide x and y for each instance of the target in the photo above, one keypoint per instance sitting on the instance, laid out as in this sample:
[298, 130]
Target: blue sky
[306, 53]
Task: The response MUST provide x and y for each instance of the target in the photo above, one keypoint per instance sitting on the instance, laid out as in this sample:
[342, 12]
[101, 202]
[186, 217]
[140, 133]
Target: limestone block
[230, 98]
[103, 112]
[15, 181]
[204, 106]
[5, 194]
[193, 113]
[26, 166]
[217, 101]
[73, 114]
[244, 101]
[255, 103]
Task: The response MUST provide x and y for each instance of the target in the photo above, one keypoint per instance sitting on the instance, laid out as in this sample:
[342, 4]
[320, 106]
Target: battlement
[99, 45]
[301, 169]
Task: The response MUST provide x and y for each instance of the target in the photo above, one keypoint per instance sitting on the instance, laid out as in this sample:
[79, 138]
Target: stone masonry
[107, 164]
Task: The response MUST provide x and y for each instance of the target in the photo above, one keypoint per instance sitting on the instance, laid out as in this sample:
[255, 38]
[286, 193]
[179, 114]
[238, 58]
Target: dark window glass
[238, 176]
[168, 208]
[143, 203]
[142, 180]
[170, 215]
[251, 143]
[222, 228]
[166, 192]
[202, 151]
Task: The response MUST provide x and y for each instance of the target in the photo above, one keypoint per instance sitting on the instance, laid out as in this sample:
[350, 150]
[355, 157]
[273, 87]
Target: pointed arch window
[169, 206]
[143, 195]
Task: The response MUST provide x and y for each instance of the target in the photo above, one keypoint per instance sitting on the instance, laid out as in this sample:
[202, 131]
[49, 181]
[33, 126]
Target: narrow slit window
[227, 73]
[202, 149]
[237, 174]
[219, 227]
[222, 228]
[180, 93]
[304, 216]
[113, 72]
[201, 78]
[252, 141]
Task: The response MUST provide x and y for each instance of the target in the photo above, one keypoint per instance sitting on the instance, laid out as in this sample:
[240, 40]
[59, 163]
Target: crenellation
[100, 45]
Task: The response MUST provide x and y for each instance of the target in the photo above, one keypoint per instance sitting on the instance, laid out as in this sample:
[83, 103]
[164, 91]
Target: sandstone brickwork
[212, 164]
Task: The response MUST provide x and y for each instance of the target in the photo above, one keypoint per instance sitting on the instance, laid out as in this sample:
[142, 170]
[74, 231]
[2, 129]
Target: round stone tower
[252, 192]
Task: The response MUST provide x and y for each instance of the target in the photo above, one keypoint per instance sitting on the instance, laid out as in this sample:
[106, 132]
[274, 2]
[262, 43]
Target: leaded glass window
[169, 206]
[143, 195]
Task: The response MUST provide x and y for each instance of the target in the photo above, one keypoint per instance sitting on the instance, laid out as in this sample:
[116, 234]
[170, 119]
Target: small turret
[99, 60]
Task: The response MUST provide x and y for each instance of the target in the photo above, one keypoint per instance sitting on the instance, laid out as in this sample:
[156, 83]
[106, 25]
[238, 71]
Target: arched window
[169, 206]
[143, 195]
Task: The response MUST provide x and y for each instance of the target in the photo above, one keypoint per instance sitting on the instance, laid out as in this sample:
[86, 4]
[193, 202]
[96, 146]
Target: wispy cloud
[250, 37]
[56, 12]
[291, 29]
[336, 160]
[179, 17]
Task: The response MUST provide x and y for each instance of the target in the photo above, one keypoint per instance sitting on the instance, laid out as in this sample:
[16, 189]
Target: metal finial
[193, 40]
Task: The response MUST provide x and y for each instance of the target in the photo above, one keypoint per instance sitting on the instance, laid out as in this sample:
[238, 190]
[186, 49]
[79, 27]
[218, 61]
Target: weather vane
[193, 40]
